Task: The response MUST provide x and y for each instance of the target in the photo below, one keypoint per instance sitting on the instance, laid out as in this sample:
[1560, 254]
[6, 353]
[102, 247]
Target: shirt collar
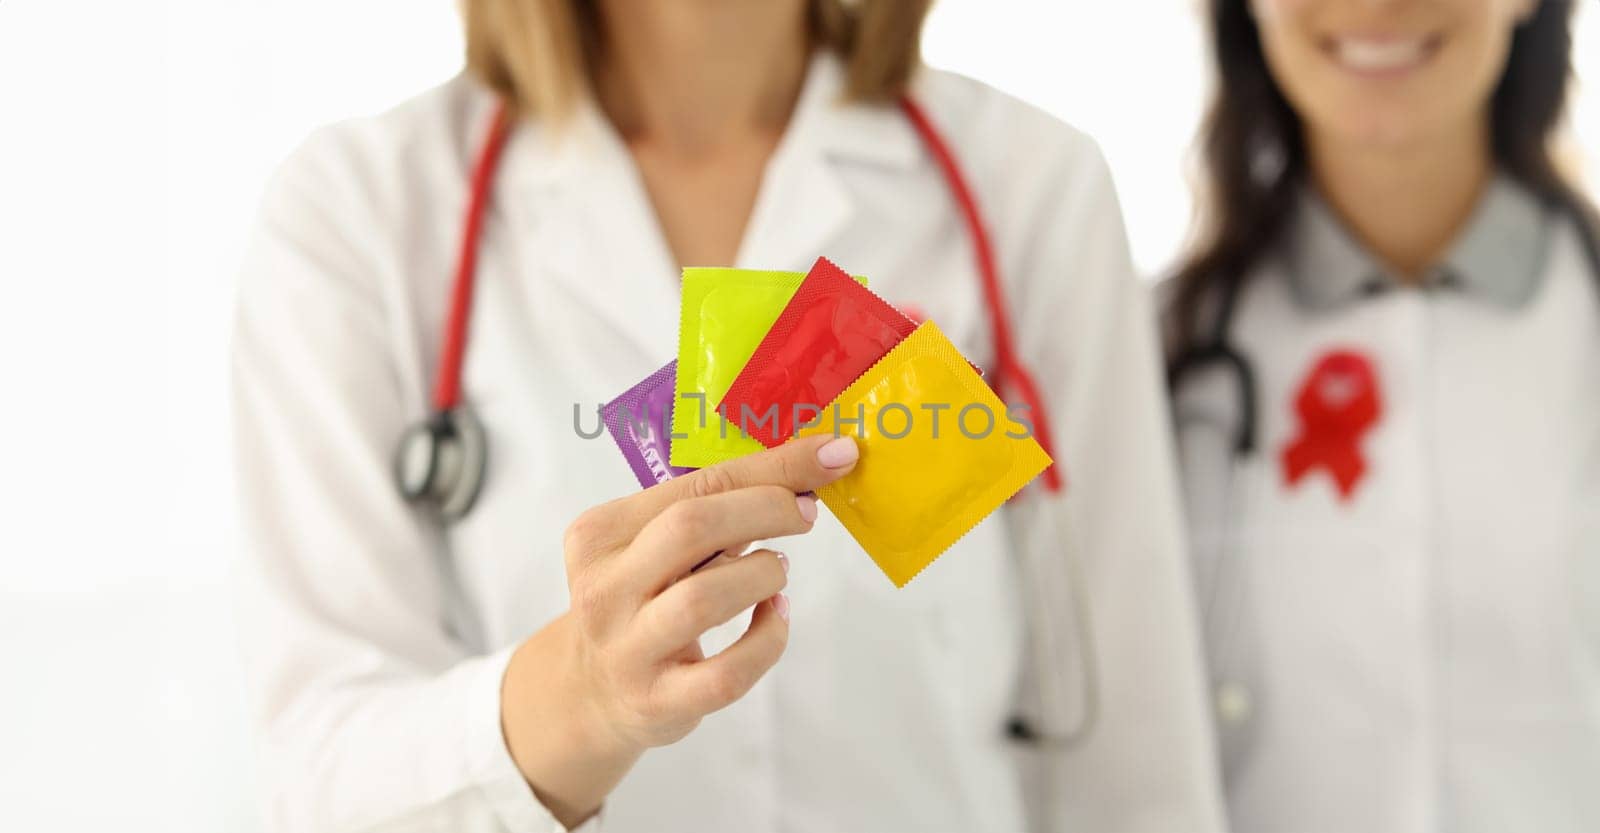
[877, 134]
[1499, 255]
[822, 122]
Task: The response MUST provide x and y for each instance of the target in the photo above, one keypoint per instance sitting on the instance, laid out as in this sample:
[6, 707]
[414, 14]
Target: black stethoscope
[441, 462]
[1217, 350]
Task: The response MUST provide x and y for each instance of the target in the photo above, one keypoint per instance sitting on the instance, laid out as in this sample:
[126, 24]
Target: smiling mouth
[1385, 56]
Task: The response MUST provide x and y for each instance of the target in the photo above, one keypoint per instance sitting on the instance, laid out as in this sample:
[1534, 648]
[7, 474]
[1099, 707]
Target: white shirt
[377, 640]
[1426, 654]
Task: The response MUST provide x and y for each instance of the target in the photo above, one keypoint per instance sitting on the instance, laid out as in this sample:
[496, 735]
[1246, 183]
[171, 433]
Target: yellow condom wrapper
[724, 316]
[913, 494]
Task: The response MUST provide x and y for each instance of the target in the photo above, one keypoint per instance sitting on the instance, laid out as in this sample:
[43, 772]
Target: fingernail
[838, 453]
[808, 507]
[780, 603]
[784, 560]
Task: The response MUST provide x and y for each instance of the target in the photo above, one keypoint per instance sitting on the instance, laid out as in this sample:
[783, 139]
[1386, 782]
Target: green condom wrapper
[723, 318]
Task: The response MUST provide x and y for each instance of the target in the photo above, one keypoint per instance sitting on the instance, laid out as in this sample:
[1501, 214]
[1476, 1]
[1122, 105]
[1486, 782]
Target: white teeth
[1380, 55]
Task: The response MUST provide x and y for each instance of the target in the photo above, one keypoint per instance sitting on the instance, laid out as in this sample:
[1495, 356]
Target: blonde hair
[537, 53]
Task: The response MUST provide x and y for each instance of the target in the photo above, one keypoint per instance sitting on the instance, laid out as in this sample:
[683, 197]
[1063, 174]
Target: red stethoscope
[441, 462]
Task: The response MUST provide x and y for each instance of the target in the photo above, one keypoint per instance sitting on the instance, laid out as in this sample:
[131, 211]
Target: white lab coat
[1425, 656]
[377, 640]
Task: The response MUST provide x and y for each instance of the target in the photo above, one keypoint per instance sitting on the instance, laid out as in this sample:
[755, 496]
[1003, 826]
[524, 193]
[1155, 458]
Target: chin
[1380, 131]
[1380, 122]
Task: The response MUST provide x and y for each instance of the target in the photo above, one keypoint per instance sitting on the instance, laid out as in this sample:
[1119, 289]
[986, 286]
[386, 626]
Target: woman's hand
[622, 671]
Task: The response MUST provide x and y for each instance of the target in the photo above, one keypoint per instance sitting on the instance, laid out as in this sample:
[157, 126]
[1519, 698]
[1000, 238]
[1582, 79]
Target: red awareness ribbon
[1338, 403]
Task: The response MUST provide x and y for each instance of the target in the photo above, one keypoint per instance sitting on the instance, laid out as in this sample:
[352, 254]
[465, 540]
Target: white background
[134, 141]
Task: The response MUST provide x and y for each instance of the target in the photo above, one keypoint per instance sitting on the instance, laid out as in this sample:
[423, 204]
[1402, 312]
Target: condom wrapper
[831, 332]
[939, 453]
[640, 420]
[724, 316]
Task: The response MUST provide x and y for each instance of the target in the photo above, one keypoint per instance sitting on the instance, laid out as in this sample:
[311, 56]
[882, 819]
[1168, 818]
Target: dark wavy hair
[1255, 154]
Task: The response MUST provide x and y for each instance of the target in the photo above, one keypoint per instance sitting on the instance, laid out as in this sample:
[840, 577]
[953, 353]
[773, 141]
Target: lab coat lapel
[592, 233]
[804, 203]
[591, 229]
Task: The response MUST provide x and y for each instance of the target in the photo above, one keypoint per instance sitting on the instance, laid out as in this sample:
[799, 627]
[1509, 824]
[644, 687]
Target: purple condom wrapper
[647, 405]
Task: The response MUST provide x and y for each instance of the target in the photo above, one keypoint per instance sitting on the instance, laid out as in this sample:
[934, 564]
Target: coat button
[1233, 703]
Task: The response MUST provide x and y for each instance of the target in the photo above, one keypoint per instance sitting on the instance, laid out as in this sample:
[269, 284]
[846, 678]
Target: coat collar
[1499, 256]
[566, 181]
[874, 134]
[542, 153]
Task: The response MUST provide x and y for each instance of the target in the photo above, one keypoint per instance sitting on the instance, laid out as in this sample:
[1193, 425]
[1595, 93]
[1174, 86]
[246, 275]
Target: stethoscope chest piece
[441, 462]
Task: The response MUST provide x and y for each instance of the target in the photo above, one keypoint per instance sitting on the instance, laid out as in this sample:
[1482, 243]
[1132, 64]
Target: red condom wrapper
[832, 331]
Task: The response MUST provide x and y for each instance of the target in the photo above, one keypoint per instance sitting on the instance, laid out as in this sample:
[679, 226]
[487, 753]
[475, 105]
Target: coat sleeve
[1085, 326]
[371, 713]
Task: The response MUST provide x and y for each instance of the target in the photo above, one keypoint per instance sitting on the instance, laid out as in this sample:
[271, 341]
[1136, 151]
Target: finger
[720, 557]
[709, 560]
[708, 685]
[682, 536]
[701, 602]
[801, 465]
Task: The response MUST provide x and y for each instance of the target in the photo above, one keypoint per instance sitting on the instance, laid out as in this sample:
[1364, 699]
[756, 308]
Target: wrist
[588, 720]
[557, 735]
